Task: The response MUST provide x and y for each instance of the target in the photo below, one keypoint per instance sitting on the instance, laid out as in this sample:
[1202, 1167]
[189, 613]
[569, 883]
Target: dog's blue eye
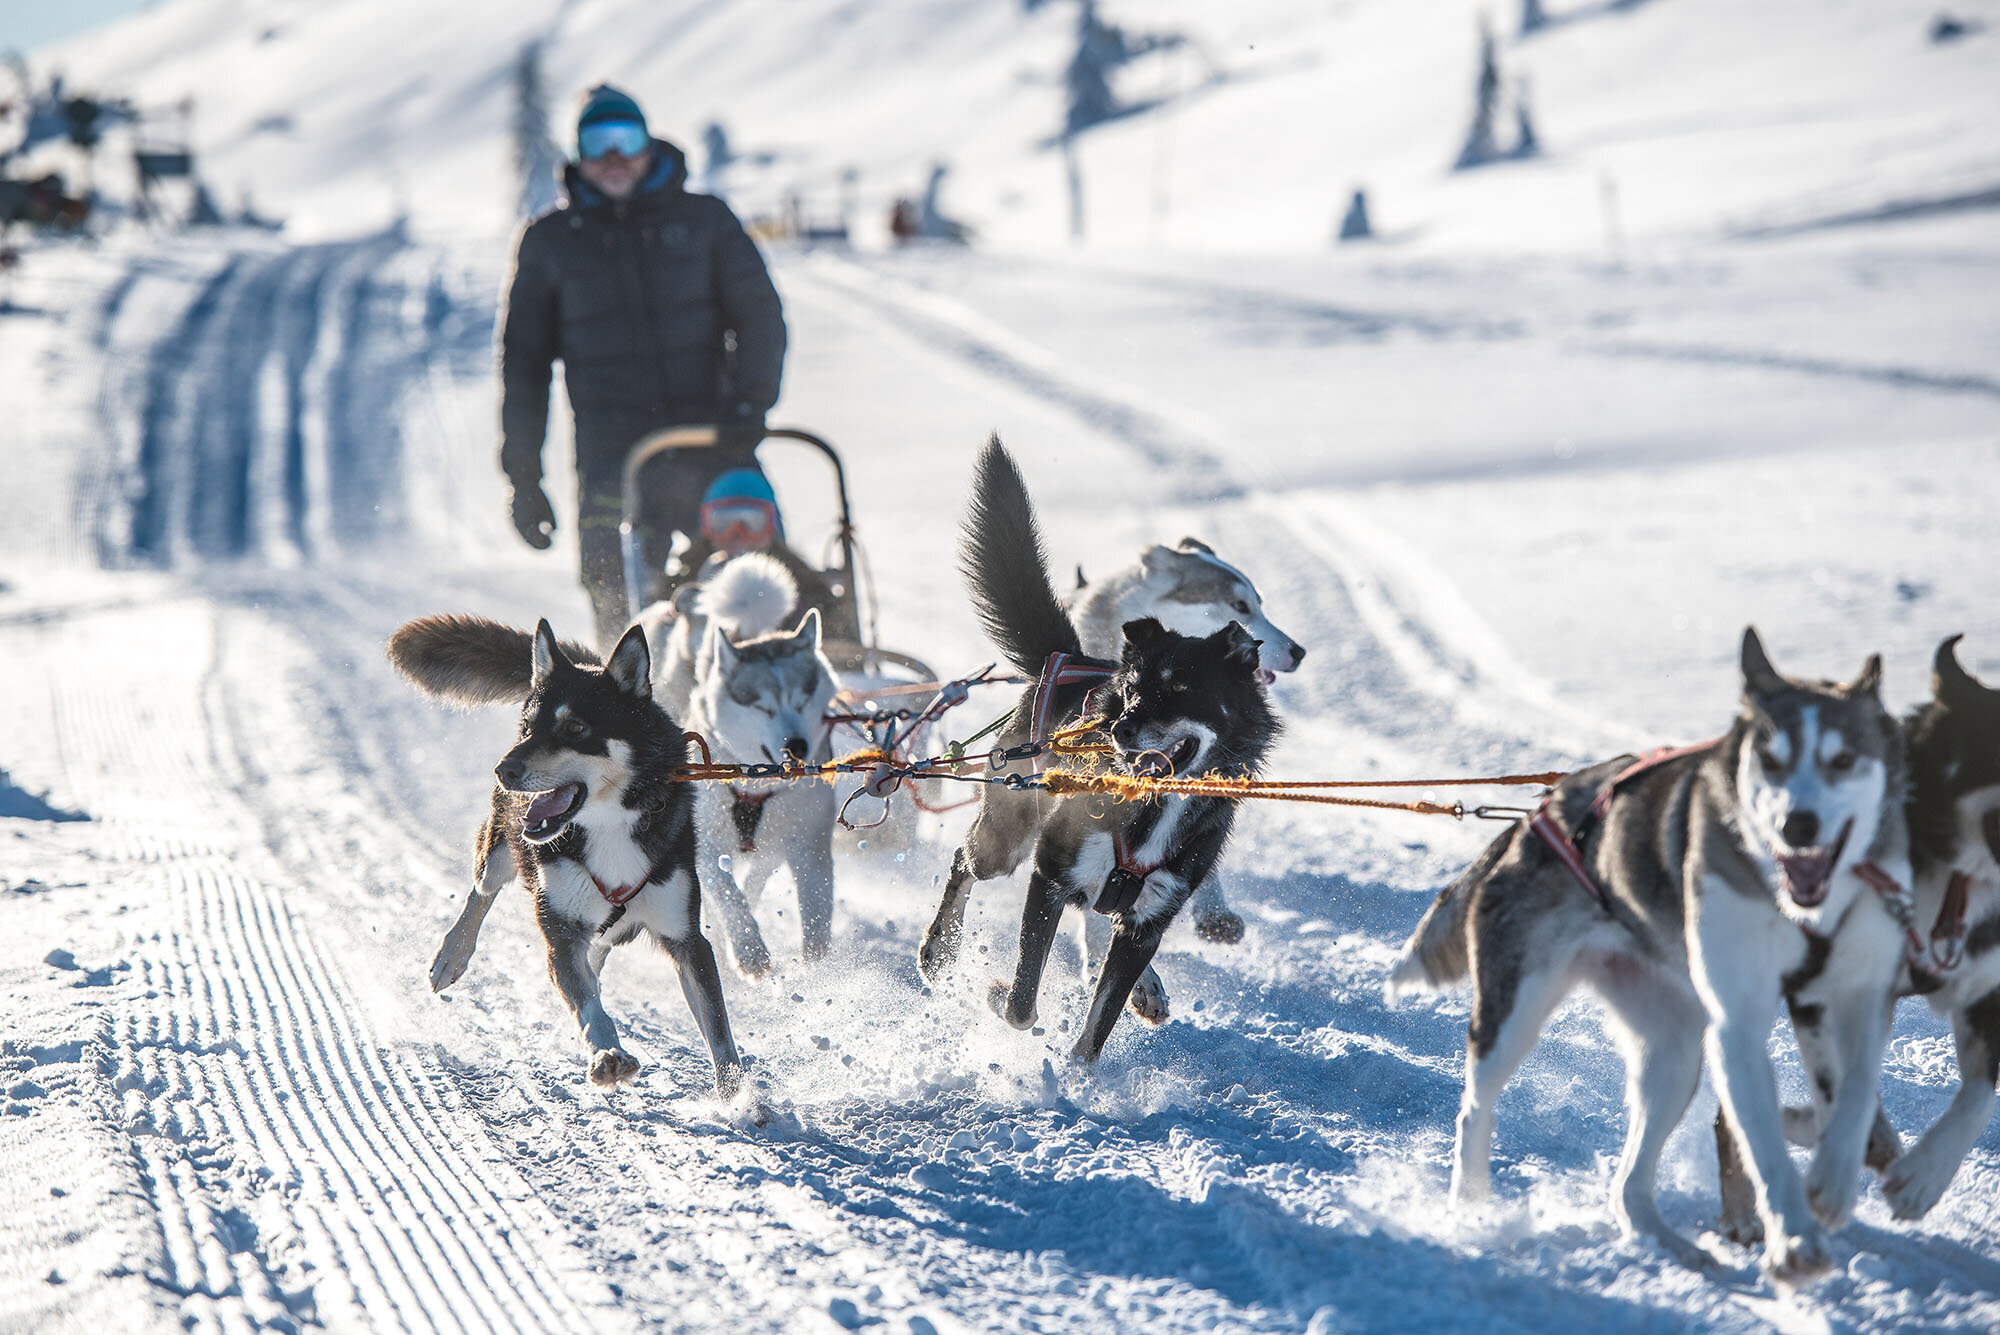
[570, 727]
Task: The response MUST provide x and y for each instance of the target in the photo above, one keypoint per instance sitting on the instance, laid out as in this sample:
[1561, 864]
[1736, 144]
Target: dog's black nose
[795, 748]
[1801, 829]
[1298, 654]
[510, 772]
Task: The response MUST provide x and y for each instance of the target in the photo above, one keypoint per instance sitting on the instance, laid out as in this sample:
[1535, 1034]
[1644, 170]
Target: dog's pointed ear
[631, 664]
[1081, 582]
[1950, 682]
[1759, 677]
[1141, 634]
[1239, 646]
[720, 652]
[1191, 544]
[548, 654]
[1155, 558]
[808, 628]
[1870, 680]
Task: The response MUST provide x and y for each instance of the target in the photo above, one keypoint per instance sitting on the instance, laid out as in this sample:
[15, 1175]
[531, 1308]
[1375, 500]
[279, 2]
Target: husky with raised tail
[1190, 590]
[1191, 705]
[759, 702]
[752, 595]
[1952, 944]
[1705, 887]
[585, 814]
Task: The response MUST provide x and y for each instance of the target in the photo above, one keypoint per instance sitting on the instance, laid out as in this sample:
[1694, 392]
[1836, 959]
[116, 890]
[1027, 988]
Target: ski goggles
[626, 138]
[739, 522]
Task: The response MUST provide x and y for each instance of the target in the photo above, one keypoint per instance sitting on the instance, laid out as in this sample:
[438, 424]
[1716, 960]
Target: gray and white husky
[1725, 877]
[763, 701]
[1952, 946]
[583, 812]
[750, 596]
[1191, 591]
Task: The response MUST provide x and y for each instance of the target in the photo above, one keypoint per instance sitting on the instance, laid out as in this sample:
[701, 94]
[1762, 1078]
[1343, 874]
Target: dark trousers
[670, 490]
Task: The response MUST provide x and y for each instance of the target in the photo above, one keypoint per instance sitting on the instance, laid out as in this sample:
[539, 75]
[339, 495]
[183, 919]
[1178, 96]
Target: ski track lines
[1417, 615]
[300, 1172]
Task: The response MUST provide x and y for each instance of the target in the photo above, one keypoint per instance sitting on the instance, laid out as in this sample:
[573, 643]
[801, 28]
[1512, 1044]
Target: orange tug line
[1120, 787]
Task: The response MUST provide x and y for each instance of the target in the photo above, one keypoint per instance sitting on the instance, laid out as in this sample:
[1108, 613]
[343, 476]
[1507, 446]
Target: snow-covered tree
[1479, 146]
[1526, 143]
[537, 160]
[1354, 226]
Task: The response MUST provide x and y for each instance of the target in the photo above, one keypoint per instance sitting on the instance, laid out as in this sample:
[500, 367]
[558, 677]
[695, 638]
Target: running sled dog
[1190, 590]
[583, 812]
[1195, 704]
[1951, 943]
[759, 695]
[1719, 880]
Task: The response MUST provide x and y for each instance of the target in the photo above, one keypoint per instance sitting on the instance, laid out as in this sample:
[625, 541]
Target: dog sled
[851, 642]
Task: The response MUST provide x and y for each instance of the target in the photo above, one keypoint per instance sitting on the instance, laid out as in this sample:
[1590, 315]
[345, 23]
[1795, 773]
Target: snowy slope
[1517, 506]
[1699, 116]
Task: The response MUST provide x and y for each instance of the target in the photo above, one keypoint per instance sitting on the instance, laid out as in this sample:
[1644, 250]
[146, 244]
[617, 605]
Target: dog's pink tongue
[1805, 873]
[552, 803]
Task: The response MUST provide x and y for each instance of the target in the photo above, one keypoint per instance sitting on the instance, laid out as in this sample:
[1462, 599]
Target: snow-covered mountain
[1671, 118]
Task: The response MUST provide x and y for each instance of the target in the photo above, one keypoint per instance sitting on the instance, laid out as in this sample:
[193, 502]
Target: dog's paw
[753, 960]
[1219, 925]
[1149, 999]
[936, 956]
[612, 1067]
[449, 966]
[1742, 1227]
[1831, 1188]
[1916, 1182]
[998, 996]
[729, 1079]
[1798, 1257]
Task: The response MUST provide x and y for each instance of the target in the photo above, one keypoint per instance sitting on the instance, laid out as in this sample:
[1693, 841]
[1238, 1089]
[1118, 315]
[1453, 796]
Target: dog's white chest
[1099, 857]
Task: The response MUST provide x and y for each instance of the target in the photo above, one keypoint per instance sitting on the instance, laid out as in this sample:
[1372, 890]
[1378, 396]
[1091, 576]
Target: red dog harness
[1566, 845]
[621, 895]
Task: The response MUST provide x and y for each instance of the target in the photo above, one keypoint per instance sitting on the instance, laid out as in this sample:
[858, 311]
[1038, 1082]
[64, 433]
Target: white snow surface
[1517, 497]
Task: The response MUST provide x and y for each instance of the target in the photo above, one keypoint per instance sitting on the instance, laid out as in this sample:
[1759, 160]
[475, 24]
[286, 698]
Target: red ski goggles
[739, 521]
[625, 138]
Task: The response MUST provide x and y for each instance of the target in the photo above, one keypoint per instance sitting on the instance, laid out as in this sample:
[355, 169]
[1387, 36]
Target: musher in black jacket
[661, 310]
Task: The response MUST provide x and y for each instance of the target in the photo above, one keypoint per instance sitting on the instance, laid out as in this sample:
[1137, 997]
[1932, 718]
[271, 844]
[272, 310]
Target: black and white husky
[1192, 591]
[1198, 702]
[1952, 944]
[1722, 879]
[584, 813]
[761, 701]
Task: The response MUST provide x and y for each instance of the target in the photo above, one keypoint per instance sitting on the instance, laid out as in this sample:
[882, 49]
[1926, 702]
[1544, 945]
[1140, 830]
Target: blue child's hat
[740, 484]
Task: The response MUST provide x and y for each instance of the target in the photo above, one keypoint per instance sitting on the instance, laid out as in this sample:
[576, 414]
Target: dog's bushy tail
[470, 660]
[1437, 954]
[749, 597]
[1006, 568]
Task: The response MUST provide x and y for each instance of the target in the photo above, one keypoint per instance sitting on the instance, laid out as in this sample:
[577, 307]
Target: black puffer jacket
[635, 296]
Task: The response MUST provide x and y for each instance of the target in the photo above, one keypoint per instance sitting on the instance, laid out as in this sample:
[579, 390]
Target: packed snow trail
[232, 1053]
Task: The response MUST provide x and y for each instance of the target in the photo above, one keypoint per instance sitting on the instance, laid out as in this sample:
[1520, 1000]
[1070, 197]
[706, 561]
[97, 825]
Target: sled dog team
[1821, 853]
